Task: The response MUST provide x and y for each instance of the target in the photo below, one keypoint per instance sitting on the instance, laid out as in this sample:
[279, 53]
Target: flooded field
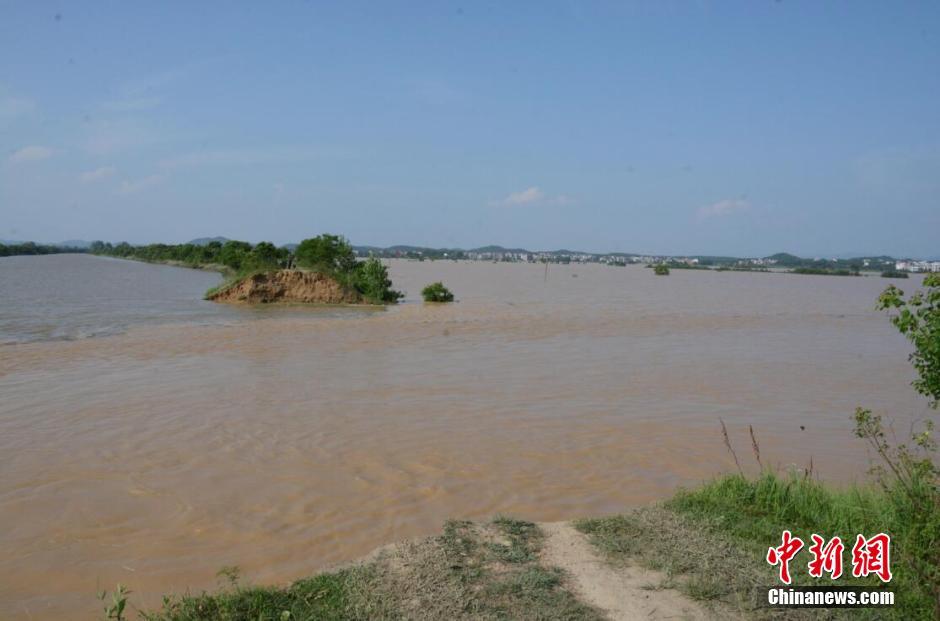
[196, 436]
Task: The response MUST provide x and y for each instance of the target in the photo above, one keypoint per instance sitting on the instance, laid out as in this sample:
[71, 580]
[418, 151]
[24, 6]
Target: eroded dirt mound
[287, 286]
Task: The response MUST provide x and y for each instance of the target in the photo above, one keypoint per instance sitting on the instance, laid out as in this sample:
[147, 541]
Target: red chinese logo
[869, 556]
[872, 556]
[826, 558]
[782, 555]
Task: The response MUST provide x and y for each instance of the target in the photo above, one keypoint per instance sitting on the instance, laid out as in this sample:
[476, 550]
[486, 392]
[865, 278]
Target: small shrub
[661, 270]
[437, 292]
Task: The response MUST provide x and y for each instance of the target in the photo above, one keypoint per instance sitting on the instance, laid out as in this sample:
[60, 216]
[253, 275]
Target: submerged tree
[371, 280]
[437, 292]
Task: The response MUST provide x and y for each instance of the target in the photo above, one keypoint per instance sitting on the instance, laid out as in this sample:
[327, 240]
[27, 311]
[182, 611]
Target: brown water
[283, 442]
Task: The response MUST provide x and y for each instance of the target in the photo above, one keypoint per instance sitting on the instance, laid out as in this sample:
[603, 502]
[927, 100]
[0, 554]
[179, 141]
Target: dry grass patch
[702, 564]
[472, 571]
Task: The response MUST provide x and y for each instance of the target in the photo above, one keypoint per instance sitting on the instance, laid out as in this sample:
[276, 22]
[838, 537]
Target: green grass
[755, 512]
[757, 508]
[325, 596]
[712, 541]
[524, 539]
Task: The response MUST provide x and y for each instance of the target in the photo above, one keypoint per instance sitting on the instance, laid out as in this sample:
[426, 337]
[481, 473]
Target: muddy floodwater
[150, 438]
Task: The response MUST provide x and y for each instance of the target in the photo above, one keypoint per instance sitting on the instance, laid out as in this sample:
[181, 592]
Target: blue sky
[740, 128]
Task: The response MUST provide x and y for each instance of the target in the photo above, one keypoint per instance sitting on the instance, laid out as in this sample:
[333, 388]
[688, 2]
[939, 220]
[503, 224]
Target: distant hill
[202, 241]
[74, 243]
[498, 249]
[785, 258]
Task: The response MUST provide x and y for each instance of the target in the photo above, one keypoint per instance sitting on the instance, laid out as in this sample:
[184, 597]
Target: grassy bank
[712, 542]
[472, 571]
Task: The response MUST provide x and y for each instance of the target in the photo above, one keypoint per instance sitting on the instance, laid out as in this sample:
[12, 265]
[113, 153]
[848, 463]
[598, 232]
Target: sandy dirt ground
[623, 593]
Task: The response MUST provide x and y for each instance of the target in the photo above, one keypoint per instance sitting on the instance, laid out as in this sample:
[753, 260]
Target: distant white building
[917, 266]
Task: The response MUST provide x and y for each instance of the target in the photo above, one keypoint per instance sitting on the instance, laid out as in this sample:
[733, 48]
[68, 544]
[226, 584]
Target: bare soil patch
[290, 286]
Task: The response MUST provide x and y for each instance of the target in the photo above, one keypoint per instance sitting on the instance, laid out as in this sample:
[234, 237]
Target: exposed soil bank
[286, 286]
[502, 569]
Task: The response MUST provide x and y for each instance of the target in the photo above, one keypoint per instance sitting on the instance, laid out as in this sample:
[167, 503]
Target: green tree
[265, 254]
[372, 281]
[909, 474]
[326, 252]
[918, 318]
[234, 254]
[661, 269]
[437, 292]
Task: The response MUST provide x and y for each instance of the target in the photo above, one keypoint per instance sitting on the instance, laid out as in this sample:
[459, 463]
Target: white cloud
[139, 185]
[97, 174]
[531, 196]
[32, 153]
[726, 207]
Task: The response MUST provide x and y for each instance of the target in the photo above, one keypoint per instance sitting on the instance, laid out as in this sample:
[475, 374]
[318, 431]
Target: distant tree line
[828, 266]
[237, 256]
[823, 271]
[893, 274]
[30, 248]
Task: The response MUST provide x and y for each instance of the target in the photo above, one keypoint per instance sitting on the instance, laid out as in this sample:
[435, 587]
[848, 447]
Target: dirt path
[623, 593]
